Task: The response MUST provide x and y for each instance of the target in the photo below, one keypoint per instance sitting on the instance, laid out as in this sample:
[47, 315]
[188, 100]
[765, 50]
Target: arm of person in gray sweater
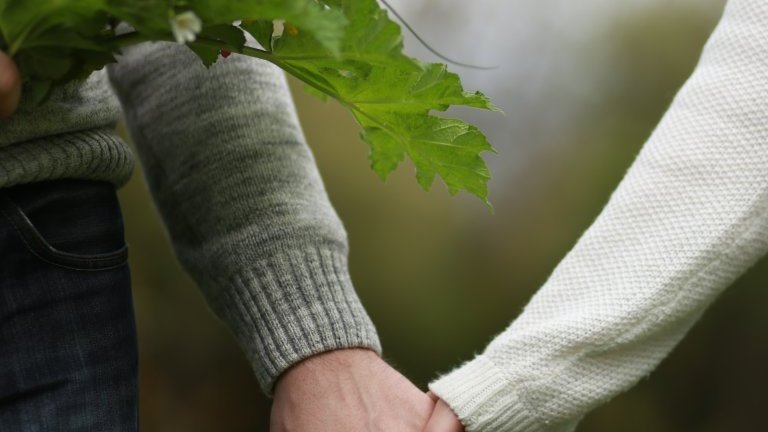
[237, 186]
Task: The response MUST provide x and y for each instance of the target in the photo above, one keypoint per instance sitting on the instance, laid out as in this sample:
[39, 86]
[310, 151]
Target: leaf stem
[246, 50]
[134, 38]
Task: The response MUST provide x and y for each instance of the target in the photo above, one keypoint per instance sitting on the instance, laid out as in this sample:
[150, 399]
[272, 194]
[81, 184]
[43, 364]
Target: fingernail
[6, 75]
[6, 78]
[4, 81]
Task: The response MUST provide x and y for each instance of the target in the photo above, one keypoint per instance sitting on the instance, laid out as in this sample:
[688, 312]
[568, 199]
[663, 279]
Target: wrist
[323, 367]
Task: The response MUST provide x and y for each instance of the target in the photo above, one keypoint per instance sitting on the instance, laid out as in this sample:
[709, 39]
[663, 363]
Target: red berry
[226, 53]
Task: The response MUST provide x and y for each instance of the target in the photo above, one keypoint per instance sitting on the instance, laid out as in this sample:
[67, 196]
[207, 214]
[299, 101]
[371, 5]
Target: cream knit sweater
[690, 216]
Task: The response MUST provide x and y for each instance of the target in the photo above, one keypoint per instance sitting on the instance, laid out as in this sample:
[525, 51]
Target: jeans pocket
[87, 237]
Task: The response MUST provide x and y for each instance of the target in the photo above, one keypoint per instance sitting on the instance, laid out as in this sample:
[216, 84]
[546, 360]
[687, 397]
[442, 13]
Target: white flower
[186, 26]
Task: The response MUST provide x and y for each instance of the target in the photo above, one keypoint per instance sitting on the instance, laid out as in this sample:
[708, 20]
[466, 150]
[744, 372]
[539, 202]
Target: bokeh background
[583, 84]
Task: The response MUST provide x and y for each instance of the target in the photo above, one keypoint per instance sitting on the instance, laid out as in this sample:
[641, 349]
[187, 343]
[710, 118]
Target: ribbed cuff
[484, 399]
[94, 154]
[291, 306]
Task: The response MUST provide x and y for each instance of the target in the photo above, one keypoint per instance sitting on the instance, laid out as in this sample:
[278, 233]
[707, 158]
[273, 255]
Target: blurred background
[583, 84]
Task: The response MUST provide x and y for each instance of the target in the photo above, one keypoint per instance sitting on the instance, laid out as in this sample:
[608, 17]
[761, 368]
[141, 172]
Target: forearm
[690, 216]
[243, 202]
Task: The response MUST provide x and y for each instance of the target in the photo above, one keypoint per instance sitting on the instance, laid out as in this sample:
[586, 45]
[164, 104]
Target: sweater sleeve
[242, 200]
[690, 216]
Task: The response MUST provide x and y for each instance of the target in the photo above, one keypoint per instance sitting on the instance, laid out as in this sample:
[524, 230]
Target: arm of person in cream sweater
[690, 216]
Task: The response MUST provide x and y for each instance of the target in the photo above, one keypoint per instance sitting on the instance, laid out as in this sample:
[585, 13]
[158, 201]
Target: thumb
[443, 419]
[10, 86]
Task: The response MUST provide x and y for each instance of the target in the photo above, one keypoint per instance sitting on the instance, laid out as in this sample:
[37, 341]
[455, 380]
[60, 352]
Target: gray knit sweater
[229, 169]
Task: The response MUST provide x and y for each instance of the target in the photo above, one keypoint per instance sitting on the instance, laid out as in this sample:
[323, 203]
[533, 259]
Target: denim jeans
[68, 352]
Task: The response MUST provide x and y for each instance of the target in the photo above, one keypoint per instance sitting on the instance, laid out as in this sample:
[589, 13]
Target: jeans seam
[47, 253]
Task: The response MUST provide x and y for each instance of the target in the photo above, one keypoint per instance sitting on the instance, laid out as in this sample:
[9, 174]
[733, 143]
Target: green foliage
[391, 96]
[325, 25]
[346, 49]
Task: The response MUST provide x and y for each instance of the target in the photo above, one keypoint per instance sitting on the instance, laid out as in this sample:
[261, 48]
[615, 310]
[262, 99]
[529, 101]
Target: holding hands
[354, 390]
[346, 390]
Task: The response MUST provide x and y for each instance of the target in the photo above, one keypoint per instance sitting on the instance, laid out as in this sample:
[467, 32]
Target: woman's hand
[443, 418]
[10, 86]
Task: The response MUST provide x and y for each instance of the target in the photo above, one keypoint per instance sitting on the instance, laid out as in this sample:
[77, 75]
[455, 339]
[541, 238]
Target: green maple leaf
[324, 25]
[392, 97]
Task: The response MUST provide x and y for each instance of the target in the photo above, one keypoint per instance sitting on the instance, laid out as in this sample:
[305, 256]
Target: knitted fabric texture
[233, 178]
[690, 216]
[72, 135]
[244, 204]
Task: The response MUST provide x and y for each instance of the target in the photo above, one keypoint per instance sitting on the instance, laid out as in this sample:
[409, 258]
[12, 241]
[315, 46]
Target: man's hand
[10, 86]
[349, 390]
[443, 419]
